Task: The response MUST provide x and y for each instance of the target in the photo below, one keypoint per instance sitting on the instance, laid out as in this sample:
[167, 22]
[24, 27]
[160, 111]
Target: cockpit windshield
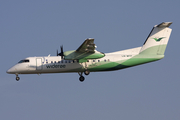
[23, 61]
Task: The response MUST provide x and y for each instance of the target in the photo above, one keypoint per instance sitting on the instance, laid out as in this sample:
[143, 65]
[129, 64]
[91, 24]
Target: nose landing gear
[17, 78]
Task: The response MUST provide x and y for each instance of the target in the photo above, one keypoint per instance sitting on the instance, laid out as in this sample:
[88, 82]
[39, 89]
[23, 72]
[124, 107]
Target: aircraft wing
[84, 52]
[87, 46]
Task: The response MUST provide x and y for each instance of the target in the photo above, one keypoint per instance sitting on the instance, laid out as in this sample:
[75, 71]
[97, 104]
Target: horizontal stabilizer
[164, 24]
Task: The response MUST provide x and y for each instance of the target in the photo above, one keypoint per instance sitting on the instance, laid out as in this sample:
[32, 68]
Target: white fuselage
[87, 59]
[54, 64]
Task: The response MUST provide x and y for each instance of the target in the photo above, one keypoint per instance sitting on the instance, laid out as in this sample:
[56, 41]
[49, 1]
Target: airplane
[87, 59]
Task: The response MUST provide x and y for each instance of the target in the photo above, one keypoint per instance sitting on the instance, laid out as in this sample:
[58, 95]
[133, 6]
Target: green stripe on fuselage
[149, 55]
[121, 64]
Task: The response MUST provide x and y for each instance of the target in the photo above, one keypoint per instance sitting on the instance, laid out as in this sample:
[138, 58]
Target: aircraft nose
[11, 70]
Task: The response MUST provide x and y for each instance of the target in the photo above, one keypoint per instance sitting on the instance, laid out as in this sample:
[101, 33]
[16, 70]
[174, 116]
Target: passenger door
[39, 64]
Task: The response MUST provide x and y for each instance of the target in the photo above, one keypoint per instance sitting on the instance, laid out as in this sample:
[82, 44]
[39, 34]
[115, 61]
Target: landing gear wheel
[17, 78]
[81, 78]
[86, 72]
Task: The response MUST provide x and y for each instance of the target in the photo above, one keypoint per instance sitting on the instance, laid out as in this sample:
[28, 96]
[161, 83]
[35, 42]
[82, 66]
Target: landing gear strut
[17, 78]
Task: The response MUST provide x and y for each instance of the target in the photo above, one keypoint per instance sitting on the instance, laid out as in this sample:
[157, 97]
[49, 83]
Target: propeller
[61, 53]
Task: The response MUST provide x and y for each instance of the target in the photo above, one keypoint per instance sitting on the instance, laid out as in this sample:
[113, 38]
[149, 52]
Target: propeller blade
[62, 53]
[62, 49]
[57, 53]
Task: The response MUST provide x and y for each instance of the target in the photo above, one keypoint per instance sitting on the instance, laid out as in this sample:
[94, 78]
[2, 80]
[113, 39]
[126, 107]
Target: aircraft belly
[102, 66]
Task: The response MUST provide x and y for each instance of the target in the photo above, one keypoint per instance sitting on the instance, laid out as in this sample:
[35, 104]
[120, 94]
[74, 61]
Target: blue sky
[38, 28]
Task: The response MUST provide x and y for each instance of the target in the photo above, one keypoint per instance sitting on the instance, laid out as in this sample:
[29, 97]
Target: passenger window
[51, 61]
[98, 60]
[58, 61]
[104, 60]
[54, 61]
[93, 60]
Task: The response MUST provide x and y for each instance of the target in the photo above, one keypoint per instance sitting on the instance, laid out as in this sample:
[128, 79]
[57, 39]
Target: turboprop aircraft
[87, 59]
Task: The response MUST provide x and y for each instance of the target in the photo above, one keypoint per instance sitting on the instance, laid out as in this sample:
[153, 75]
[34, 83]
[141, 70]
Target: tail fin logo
[158, 39]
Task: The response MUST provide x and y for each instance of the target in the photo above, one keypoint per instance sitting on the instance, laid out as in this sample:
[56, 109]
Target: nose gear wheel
[17, 78]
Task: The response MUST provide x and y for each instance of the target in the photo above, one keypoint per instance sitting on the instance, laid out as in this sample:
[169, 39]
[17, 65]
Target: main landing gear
[82, 78]
[86, 72]
[17, 77]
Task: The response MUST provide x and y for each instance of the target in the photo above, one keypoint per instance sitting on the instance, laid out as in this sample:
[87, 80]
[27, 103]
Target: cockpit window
[23, 61]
